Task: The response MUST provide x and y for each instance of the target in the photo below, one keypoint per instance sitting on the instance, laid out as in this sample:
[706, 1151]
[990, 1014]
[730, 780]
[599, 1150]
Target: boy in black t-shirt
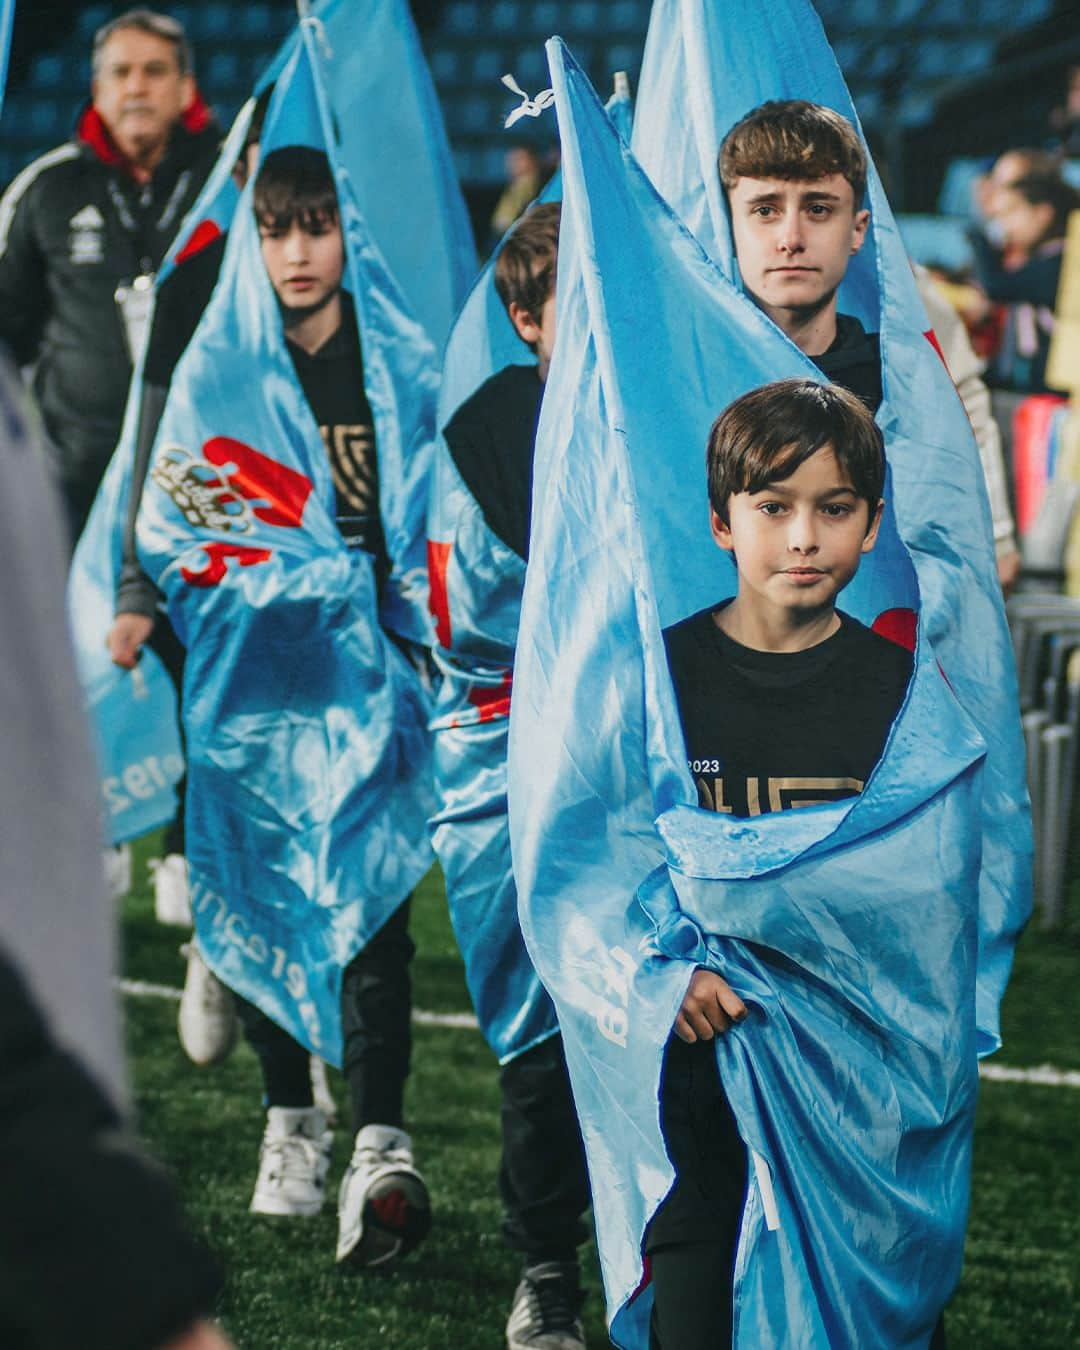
[543, 1180]
[785, 703]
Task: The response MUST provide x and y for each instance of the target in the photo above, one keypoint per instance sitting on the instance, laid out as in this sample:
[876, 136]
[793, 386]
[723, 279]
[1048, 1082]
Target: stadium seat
[462, 16]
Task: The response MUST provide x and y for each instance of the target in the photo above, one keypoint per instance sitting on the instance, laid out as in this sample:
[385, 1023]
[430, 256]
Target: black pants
[376, 1009]
[692, 1240]
[171, 652]
[543, 1180]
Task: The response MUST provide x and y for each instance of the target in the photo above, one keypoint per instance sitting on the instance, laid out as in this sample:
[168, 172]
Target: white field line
[457, 1021]
[1044, 1075]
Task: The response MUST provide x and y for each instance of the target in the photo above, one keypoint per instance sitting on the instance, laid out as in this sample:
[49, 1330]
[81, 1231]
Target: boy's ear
[525, 325]
[721, 530]
[872, 529]
[858, 230]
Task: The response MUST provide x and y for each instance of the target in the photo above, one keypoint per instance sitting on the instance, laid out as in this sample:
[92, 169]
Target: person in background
[525, 177]
[1032, 212]
[82, 231]
[966, 370]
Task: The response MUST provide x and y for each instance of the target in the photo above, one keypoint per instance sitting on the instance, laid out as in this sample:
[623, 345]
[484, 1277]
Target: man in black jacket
[83, 229]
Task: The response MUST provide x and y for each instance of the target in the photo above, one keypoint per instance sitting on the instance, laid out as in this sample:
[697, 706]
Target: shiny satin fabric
[395, 152]
[475, 596]
[309, 757]
[852, 930]
[133, 714]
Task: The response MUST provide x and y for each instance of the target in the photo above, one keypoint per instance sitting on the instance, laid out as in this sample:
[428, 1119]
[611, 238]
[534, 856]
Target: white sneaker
[293, 1162]
[207, 1022]
[546, 1312]
[172, 904]
[384, 1209]
[116, 863]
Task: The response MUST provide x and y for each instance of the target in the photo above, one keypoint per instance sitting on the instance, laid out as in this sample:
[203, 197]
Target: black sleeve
[1035, 283]
[178, 307]
[93, 1252]
[24, 297]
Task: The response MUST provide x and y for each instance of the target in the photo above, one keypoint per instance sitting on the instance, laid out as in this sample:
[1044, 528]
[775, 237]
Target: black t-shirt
[491, 438]
[771, 731]
[332, 379]
[853, 361]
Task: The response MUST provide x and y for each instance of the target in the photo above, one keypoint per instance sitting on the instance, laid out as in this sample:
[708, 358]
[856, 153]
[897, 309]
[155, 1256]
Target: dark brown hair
[764, 436]
[526, 265]
[295, 183]
[790, 138]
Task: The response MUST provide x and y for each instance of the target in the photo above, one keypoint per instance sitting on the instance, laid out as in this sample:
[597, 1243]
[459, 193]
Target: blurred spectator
[93, 1253]
[525, 177]
[82, 231]
[1065, 120]
[1033, 212]
[1006, 169]
[966, 370]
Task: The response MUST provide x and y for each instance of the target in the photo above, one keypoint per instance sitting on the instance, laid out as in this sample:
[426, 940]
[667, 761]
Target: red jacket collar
[92, 131]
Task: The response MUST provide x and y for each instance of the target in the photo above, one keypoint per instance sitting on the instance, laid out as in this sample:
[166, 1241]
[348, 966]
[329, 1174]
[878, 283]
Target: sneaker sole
[279, 1209]
[395, 1221]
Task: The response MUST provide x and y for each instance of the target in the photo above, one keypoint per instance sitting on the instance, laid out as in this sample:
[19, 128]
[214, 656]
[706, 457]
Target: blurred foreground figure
[92, 1249]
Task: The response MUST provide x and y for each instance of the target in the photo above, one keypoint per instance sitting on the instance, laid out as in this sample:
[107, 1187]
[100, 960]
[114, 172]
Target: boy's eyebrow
[811, 195]
[780, 490]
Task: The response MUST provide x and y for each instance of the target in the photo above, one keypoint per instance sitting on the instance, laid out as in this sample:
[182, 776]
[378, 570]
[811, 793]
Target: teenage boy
[795, 175]
[785, 702]
[383, 1204]
[543, 1179]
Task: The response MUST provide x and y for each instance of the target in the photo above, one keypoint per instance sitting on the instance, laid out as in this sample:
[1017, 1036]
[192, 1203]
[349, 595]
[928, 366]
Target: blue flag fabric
[853, 1080]
[707, 65]
[476, 585]
[133, 713]
[308, 754]
[394, 149]
[427, 247]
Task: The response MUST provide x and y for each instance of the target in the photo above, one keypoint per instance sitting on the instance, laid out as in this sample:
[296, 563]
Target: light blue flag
[133, 714]
[394, 150]
[401, 155]
[853, 1080]
[707, 65]
[308, 754]
[476, 584]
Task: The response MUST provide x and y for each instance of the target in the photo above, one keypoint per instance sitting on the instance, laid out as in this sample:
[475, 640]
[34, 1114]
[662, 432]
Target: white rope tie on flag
[309, 20]
[529, 107]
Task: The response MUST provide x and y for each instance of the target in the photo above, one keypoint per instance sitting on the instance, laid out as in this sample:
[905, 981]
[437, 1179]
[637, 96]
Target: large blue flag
[853, 1080]
[308, 754]
[476, 585]
[395, 153]
[705, 67]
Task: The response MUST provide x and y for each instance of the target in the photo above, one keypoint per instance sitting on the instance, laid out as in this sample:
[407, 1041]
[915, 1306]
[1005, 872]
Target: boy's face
[794, 239]
[798, 542]
[304, 261]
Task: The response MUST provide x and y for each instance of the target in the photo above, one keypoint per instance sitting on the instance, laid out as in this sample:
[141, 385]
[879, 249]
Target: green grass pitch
[1021, 1283]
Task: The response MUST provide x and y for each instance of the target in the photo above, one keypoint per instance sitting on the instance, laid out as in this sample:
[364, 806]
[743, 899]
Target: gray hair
[146, 21]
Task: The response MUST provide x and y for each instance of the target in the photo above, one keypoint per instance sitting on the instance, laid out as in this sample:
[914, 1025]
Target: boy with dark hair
[794, 174]
[383, 1204]
[785, 702]
[491, 438]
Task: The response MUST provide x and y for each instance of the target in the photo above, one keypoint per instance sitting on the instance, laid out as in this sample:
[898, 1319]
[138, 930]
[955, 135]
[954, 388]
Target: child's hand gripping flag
[705, 67]
[307, 745]
[853, 1079]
